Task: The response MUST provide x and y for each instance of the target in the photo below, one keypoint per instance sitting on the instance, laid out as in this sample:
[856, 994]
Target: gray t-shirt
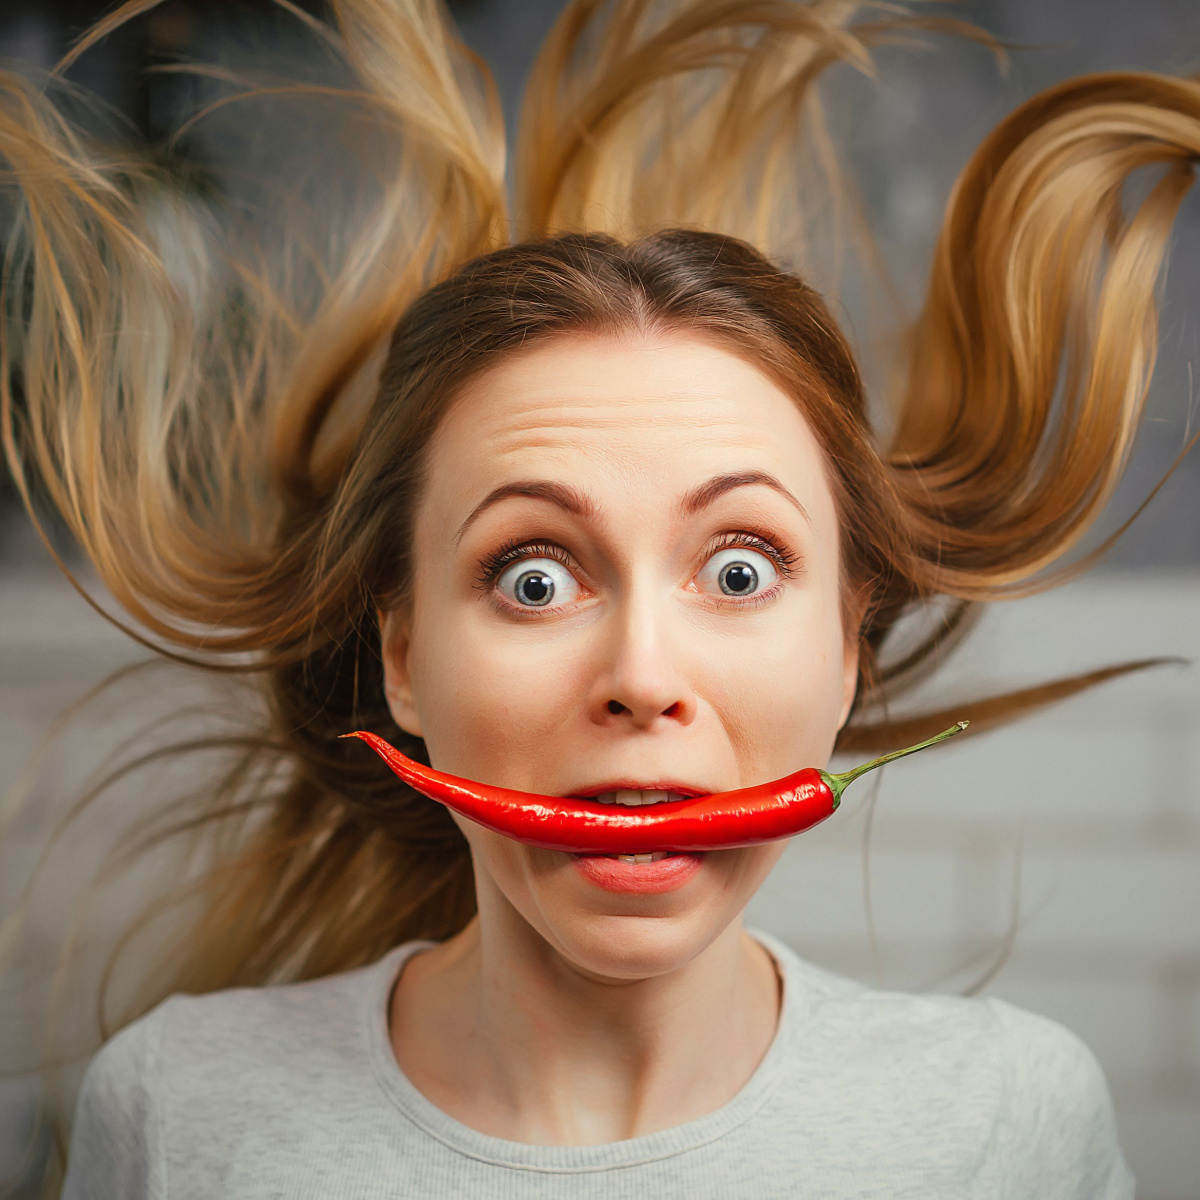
[293, 1092]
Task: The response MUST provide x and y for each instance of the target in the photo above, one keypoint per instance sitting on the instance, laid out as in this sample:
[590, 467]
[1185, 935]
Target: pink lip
[637, 879]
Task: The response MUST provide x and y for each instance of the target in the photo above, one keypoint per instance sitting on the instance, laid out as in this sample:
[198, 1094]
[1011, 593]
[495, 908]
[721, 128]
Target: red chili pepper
[719, 821]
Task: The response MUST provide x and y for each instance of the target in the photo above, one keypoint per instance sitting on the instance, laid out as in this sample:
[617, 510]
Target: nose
[641, 681]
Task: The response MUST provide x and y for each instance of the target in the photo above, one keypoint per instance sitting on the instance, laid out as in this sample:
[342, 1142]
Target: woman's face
[626, 577]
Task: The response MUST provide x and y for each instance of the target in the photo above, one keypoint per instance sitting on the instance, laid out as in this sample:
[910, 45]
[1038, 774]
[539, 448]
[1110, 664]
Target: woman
[591, 517]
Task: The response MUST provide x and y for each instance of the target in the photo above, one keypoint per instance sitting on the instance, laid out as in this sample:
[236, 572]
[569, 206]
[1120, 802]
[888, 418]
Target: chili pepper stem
[839, 783]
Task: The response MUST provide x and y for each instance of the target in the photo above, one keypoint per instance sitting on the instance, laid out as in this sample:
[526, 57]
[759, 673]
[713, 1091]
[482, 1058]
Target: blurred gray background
[1079, 829]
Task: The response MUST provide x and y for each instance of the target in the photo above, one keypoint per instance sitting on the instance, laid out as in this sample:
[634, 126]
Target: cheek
[489, 702]
[780, 697]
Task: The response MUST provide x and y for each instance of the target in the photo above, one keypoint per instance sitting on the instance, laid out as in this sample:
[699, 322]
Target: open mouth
[640, 822]
[640, 860]
[636, 797]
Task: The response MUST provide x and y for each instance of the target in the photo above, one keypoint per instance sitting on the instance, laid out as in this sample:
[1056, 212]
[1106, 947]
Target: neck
[500, 1030]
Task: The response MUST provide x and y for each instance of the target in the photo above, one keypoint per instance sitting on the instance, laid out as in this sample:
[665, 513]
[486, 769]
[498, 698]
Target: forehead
[640, 415]
[670, 401]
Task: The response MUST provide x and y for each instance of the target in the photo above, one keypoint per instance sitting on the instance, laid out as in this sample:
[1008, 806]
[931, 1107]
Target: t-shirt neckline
[632, 1152]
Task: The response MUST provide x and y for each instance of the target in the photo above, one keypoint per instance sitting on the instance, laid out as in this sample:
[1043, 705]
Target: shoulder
[267, 1027]
[224, 1063]
[849, 1018]
[1058, 1118]
[950, 1055]
[1006, 1095]
[1044, 1061]
[116, 1136]
[917, 1067]
[272, 1047]
[1048, 1061]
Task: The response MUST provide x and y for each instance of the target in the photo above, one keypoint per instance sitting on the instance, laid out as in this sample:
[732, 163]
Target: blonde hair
[229, 413]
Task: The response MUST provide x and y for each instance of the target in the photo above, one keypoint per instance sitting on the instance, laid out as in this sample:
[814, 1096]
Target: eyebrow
[713, 489]
[566, 497]
[578, 503]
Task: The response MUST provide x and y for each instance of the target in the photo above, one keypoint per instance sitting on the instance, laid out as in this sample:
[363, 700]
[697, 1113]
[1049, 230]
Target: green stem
[839, 783]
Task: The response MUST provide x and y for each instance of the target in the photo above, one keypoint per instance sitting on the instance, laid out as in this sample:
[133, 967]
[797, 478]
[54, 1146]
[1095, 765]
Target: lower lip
[645, 879]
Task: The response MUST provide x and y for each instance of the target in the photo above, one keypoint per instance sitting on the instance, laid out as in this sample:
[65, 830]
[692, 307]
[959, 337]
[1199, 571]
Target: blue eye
[537, 582]
[737, 571]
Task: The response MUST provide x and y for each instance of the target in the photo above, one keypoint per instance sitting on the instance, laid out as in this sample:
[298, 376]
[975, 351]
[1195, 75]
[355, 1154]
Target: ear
[394, 637]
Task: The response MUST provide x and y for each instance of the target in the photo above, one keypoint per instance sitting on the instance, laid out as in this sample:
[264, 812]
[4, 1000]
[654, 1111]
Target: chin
[606, 929]
[631, 947]
[618, 936]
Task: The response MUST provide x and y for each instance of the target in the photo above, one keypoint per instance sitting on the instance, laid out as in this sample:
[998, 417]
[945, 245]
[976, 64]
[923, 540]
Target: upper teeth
[633, 796]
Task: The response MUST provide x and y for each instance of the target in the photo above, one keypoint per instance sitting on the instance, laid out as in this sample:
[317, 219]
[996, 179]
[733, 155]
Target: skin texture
[566, 1013]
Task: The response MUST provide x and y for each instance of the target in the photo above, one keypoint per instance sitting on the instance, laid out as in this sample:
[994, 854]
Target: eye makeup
[491, 566]
[787, 563]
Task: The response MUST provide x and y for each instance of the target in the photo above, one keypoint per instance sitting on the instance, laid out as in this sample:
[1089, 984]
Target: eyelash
[786, 563]
[492, 565]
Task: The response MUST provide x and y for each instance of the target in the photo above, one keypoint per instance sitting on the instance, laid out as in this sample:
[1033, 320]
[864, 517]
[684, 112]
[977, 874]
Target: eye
[537, 582]
[737, 571]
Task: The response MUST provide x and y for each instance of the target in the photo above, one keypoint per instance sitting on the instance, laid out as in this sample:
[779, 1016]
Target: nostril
[674, 710]
[616, 708]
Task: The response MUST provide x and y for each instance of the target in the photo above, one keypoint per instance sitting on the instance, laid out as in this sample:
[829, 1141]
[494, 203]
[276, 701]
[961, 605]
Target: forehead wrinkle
[611, 411]
[555, 434]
